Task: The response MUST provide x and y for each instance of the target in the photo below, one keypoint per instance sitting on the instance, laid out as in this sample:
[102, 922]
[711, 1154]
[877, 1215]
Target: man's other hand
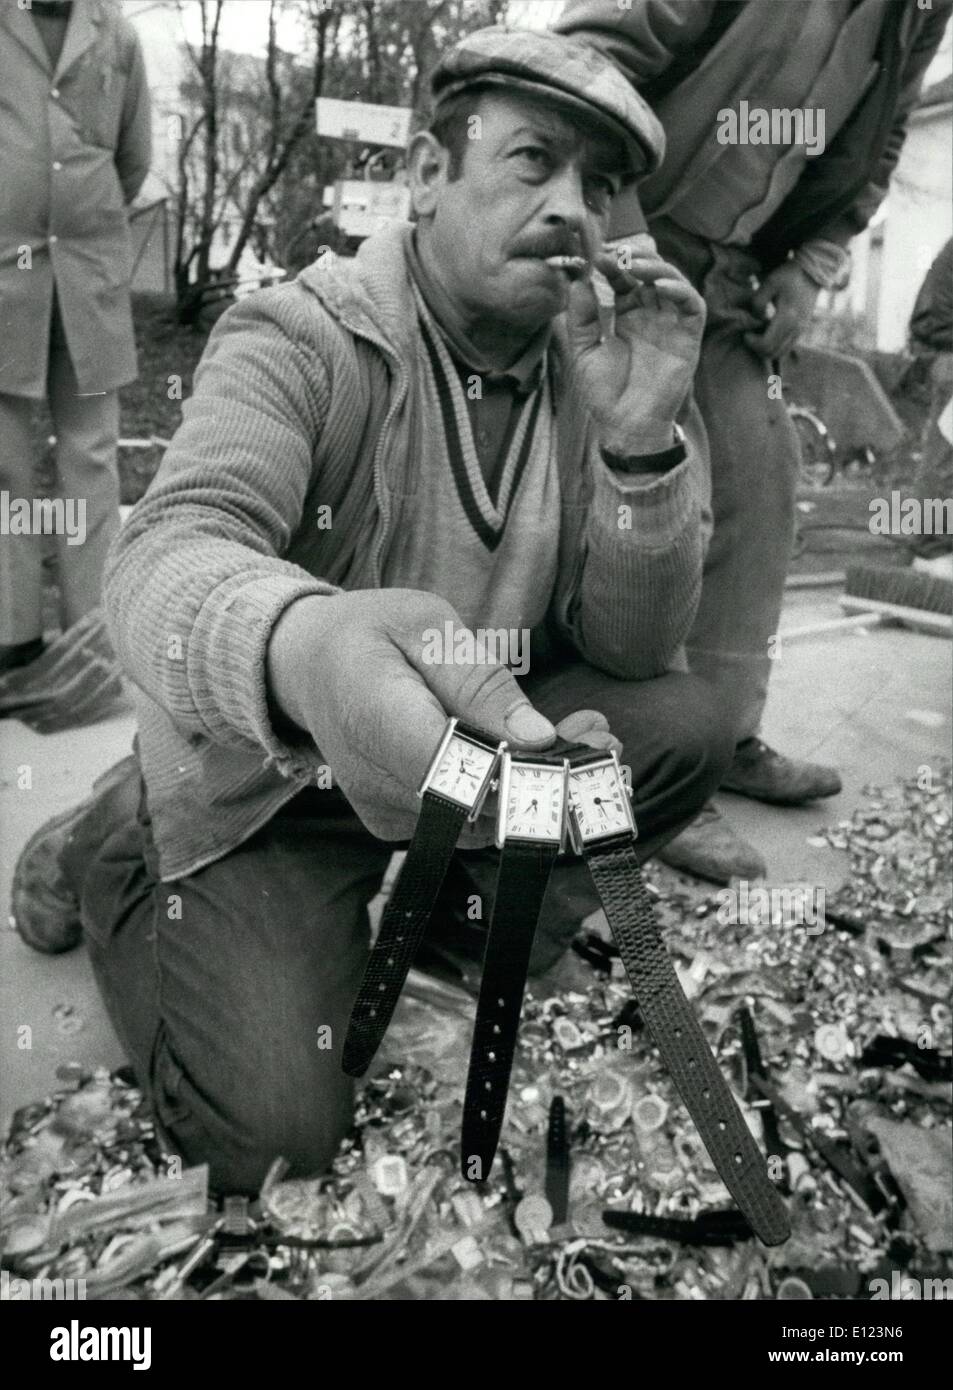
[786, 298]
[638, 374]
[357, 672]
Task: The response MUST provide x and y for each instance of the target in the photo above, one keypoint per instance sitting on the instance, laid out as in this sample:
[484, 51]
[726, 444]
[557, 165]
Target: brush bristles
[908, 588]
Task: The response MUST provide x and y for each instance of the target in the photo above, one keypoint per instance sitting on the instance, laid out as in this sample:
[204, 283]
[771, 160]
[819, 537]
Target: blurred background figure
[760, 229]
[75, 148]
[931, 342]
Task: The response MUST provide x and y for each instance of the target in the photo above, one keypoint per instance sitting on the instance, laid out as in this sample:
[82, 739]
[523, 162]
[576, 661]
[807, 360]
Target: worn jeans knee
[241, 1129]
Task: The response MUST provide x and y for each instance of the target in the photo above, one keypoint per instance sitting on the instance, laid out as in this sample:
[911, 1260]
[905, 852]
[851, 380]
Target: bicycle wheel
[816, 466]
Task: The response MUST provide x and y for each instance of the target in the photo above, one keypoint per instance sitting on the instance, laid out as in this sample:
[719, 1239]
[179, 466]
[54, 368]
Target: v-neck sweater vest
[496, 563]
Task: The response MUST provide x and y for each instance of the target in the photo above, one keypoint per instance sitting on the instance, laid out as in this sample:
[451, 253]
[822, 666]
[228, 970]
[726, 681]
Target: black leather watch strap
[557, 1161]
[524, 872]
[403, 924]
[681, 1042]
[659, 462]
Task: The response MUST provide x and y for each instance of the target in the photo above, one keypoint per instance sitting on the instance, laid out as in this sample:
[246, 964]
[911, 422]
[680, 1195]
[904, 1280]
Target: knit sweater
[494, 558]
[307, 408]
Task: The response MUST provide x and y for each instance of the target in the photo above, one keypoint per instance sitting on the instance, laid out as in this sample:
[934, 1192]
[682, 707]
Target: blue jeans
[218, 983]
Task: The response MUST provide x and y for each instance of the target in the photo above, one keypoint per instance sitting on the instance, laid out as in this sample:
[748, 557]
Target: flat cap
[559, 69]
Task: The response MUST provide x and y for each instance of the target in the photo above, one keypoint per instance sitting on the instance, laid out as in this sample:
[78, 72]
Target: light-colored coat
[75, 147]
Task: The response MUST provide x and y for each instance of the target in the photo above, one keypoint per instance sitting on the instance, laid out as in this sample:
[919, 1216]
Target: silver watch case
[490, 782]
[501, 837]
[578, 841]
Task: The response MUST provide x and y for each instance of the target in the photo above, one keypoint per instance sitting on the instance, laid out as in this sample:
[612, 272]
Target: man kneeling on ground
[439, 434]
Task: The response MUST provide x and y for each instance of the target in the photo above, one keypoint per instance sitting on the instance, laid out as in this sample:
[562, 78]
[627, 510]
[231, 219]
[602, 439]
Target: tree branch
[276, 165]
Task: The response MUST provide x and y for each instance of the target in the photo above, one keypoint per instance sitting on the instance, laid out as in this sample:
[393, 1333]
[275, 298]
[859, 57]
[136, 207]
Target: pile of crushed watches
[835, 1047]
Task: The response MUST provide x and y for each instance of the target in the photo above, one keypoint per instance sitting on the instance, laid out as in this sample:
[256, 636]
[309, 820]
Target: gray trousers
[753, 449]
[87, 430]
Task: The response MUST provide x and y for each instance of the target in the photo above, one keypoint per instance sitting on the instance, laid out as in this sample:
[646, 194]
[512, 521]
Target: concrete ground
[876, 703]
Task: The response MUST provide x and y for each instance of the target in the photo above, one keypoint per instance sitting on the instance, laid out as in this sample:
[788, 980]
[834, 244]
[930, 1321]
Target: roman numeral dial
[599, 801]
[535, 802]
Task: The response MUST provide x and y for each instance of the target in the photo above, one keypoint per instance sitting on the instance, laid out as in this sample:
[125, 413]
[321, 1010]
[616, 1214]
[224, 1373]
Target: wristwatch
[659, 462]
[531, 832]
[603, 830]
[453, 791]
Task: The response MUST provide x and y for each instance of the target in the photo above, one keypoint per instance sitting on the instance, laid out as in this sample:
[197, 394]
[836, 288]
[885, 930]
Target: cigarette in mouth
[577, 263]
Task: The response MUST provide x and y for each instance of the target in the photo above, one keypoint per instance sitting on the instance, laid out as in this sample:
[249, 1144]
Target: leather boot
[44, 902]
[710, 848]
[759, 772]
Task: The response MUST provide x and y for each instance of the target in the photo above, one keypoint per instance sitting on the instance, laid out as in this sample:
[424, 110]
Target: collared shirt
[51, 22]
[494, 398]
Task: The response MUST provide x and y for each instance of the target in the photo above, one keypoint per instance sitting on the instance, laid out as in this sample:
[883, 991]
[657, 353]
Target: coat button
[53, 240]
[57, 166]
[55, 93]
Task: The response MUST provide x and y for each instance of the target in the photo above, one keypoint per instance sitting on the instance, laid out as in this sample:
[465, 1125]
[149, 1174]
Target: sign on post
[362, 120]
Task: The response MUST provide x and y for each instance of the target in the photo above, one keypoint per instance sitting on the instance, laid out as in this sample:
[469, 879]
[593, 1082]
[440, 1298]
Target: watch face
[462, 771]
[599, 801]
[535, 801]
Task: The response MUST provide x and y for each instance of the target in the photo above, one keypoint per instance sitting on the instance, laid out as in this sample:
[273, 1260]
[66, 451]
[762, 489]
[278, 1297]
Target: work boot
[710, 848]
[936, 566]
[759, 772]
[44, 902]
[19, 654]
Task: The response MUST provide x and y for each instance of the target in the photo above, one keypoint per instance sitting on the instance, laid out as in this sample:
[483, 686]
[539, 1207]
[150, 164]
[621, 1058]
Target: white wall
[160, 33]
[918, 220]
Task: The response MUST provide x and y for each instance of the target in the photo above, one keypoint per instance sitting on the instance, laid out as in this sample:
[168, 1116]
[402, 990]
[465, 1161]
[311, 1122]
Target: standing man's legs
[754, 462]
[87, 432]
[754, 452]
[21, 556]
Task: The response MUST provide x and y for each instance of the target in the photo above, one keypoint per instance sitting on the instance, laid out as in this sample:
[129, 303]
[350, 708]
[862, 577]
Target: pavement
[874, 702]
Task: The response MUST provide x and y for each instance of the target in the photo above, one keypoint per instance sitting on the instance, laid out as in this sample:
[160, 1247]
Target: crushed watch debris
[837, 1046]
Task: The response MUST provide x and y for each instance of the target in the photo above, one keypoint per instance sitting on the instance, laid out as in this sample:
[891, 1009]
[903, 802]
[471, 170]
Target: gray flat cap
[558, 69]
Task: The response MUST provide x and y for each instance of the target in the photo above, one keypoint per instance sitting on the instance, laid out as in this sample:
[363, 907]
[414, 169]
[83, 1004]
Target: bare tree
[248, 117]
[207, 188]
[283, 136]
[199, 223]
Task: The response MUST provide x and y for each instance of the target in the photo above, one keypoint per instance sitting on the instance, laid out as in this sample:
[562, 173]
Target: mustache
[554, 243]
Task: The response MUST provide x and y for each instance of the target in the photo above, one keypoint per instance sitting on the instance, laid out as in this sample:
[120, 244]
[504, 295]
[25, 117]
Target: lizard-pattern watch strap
[521, 883]
[403, 923]
[681, 1042]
